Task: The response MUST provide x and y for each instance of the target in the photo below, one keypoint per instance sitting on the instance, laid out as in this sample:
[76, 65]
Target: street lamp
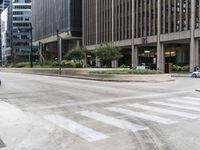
[59, 51]
[31, 53]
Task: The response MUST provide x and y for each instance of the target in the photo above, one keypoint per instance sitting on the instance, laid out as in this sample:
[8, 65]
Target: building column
[134, 55]
[193, 41]
[194, 54]
[114, 64]
[197, 53]
[40, 52]
[160, 46]
[98, 62]
[60, 49]
[161, 57]
[134, 49]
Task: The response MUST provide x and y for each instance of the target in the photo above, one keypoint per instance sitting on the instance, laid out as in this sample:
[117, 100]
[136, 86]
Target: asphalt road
[52, 113]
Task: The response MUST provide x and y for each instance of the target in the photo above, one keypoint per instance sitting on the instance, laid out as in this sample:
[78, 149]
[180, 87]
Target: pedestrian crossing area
[130, 117]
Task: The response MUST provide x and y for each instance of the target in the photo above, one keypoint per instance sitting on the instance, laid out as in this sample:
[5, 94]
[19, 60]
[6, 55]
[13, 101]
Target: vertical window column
[150, 18]
[169, 16]
[175, 14]
[181, 16]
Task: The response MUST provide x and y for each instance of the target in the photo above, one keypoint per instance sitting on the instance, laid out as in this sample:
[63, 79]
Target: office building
[151, 32]
[48, 17]
[3, 5]
[6, 37]
[21, 30]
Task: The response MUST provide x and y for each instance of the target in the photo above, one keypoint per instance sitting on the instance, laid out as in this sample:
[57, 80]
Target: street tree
[108, 52]
[77, 54]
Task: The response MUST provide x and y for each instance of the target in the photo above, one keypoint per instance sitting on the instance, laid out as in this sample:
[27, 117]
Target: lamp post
[59, 51]
[31, 52]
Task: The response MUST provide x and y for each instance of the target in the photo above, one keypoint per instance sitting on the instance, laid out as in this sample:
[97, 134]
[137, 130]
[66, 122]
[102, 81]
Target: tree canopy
[76, 54]
[108, 52]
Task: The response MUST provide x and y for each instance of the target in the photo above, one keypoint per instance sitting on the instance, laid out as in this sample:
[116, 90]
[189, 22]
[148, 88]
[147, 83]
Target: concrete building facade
[52, 16]
[154, 32]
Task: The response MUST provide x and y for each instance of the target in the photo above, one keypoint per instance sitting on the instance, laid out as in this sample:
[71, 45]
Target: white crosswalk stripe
[84, 132]
[192, 98]
[130, 113]
[165, 111]
[113, 121]
[184, 101]
[176, 106]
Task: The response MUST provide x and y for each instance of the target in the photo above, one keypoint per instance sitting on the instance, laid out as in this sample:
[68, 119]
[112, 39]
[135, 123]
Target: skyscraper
[3, 5]
[156, 33]
[50, 16]
[21, 30]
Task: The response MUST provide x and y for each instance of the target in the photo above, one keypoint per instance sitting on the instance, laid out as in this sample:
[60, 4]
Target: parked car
[196, 74]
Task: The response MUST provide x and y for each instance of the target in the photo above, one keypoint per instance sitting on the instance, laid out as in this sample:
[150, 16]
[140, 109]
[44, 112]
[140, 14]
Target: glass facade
[21, 27]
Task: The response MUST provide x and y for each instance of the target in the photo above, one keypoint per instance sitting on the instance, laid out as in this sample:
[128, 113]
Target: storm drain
[2, 144]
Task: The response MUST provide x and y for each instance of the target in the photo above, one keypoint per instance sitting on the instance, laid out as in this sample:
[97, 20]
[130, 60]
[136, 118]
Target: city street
[52, 113]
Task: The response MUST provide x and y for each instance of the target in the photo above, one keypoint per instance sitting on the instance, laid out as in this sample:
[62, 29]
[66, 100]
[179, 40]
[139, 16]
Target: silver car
[196, 74]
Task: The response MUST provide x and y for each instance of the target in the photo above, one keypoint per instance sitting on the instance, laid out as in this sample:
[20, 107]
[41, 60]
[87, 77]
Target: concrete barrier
[84, 74]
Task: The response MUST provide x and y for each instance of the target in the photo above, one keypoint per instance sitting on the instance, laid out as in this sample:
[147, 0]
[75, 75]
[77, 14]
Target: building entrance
[174, 55]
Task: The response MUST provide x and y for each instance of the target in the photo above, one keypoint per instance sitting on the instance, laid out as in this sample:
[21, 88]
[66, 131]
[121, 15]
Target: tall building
[6, 36]
[156, 33]
[3, 5]
[50, 16]
[21, 30]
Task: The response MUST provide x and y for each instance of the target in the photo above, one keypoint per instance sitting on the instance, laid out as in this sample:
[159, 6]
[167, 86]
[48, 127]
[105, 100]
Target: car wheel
[194, 76]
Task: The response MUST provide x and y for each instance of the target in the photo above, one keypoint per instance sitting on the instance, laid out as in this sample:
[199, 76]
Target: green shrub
[177, 68]
[124, 66]
[128, 71]
[22, 64]
[186, 68]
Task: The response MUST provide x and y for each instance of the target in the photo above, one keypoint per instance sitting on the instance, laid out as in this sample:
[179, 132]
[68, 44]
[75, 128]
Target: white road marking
[176, 106]
[192, 98]
[141, 115]
[165, 111]
[84, 132]
[113, 121]
[184, 101]
[11, 115]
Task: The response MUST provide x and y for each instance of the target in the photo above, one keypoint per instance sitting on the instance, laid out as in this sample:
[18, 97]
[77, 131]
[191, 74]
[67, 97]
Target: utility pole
[31, 52]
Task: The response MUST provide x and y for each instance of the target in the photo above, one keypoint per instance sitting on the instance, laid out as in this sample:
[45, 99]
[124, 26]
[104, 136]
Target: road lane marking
[11, 115]
[130, 113]
[192, 98]
[184, 101]
[82, 131]
[165, 111]
[176, 106]
[113, 121]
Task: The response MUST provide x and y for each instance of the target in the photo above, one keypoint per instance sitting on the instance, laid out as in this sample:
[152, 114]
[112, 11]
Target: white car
[196, 74]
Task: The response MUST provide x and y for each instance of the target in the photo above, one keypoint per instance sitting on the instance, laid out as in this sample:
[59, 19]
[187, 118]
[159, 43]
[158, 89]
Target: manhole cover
[2, 144]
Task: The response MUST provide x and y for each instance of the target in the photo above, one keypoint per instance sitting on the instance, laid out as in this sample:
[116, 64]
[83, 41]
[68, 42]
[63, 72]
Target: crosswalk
[124, 117]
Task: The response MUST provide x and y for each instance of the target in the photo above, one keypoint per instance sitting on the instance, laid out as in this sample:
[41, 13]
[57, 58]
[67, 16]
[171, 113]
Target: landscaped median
[120, 75]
